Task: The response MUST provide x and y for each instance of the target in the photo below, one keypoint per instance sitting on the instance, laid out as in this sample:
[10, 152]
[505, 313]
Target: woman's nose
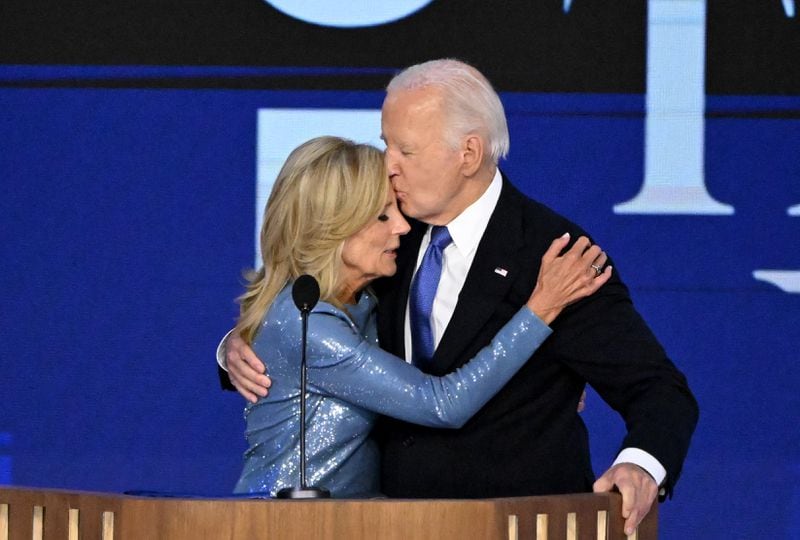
[401, 227]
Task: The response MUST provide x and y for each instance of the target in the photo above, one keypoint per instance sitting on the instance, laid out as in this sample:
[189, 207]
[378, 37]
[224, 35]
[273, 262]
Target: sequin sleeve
[345, 365]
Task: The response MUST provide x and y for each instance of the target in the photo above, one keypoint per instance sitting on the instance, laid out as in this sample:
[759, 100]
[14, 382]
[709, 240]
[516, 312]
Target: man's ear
[472, 154]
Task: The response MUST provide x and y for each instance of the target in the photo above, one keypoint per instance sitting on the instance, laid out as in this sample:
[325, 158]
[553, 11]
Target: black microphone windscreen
[305, 292]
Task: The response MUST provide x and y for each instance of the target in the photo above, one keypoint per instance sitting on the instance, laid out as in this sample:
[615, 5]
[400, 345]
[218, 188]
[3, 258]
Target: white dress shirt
[466, 230]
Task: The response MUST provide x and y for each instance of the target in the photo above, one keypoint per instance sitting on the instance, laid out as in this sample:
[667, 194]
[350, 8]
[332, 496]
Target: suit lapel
[494, 269]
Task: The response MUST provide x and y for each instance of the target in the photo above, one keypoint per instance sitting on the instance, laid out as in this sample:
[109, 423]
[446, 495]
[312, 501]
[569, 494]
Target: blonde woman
[332, 214]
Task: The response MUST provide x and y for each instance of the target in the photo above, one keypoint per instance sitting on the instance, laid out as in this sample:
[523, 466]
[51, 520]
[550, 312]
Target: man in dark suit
[445, 131]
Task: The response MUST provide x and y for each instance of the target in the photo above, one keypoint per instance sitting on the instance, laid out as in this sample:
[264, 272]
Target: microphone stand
[305, 300]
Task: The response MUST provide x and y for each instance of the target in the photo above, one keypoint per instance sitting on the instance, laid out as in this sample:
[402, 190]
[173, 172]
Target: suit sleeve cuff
[221, 352]
[644, 460]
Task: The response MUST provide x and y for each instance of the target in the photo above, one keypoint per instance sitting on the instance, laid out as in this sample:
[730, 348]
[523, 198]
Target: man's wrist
[644, 460]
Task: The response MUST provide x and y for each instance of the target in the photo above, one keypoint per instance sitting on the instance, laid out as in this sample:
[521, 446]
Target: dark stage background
[138, 140]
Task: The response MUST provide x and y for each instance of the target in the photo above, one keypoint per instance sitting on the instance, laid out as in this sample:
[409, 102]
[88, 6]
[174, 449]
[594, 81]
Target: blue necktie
[423, 291]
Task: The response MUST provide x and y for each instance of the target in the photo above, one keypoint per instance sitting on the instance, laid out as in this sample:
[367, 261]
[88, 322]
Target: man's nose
[391, 163]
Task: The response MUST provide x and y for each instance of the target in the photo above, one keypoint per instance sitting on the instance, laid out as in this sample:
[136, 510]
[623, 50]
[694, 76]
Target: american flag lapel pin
[501, 271]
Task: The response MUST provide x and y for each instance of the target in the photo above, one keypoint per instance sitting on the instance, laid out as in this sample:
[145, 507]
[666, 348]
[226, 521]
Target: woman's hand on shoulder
[565, 279]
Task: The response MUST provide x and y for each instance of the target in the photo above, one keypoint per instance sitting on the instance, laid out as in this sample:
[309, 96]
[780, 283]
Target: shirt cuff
[644, 460]
[221, 361]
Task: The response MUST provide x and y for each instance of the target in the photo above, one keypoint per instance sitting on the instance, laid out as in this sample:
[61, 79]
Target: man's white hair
[470, 103]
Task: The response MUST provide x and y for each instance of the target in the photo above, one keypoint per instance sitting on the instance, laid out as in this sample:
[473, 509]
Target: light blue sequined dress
[350, 381]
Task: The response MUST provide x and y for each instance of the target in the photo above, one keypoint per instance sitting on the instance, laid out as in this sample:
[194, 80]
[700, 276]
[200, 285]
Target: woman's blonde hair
[328, 189]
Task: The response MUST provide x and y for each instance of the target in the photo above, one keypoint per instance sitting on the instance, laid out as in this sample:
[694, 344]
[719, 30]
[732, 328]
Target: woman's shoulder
[283, 310]
[334, 335]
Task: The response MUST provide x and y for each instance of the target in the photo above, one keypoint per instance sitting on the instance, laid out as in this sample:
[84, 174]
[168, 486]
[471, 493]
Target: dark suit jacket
[529, 438]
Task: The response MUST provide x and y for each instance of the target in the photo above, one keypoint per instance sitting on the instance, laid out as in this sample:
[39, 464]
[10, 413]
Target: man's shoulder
[532, 215]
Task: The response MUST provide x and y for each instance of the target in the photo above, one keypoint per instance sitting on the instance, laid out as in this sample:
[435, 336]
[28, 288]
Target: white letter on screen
[674, 181]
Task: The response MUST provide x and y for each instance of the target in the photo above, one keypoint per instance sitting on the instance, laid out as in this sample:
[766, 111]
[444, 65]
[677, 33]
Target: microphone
[305, 293]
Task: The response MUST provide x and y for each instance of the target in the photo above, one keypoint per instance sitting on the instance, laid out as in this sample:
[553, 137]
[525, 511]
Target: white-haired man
[445, 131]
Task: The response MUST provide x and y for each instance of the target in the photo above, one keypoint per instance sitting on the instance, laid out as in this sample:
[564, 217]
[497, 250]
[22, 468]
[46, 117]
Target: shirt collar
[468, 227]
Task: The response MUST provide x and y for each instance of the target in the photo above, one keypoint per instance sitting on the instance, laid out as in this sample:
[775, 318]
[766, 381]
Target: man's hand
[245, 370]
[638, 491]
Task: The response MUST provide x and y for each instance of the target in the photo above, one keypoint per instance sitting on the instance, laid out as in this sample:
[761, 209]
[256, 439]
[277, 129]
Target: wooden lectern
[33, 514]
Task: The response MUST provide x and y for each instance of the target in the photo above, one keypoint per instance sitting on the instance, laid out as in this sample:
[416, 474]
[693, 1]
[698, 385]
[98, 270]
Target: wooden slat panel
[37, 526]
[3, 522]
[572, 526]
[74, 524]
[135, 518]
[542, 528]
[513, 527]
[602, 525]
[107, 526]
